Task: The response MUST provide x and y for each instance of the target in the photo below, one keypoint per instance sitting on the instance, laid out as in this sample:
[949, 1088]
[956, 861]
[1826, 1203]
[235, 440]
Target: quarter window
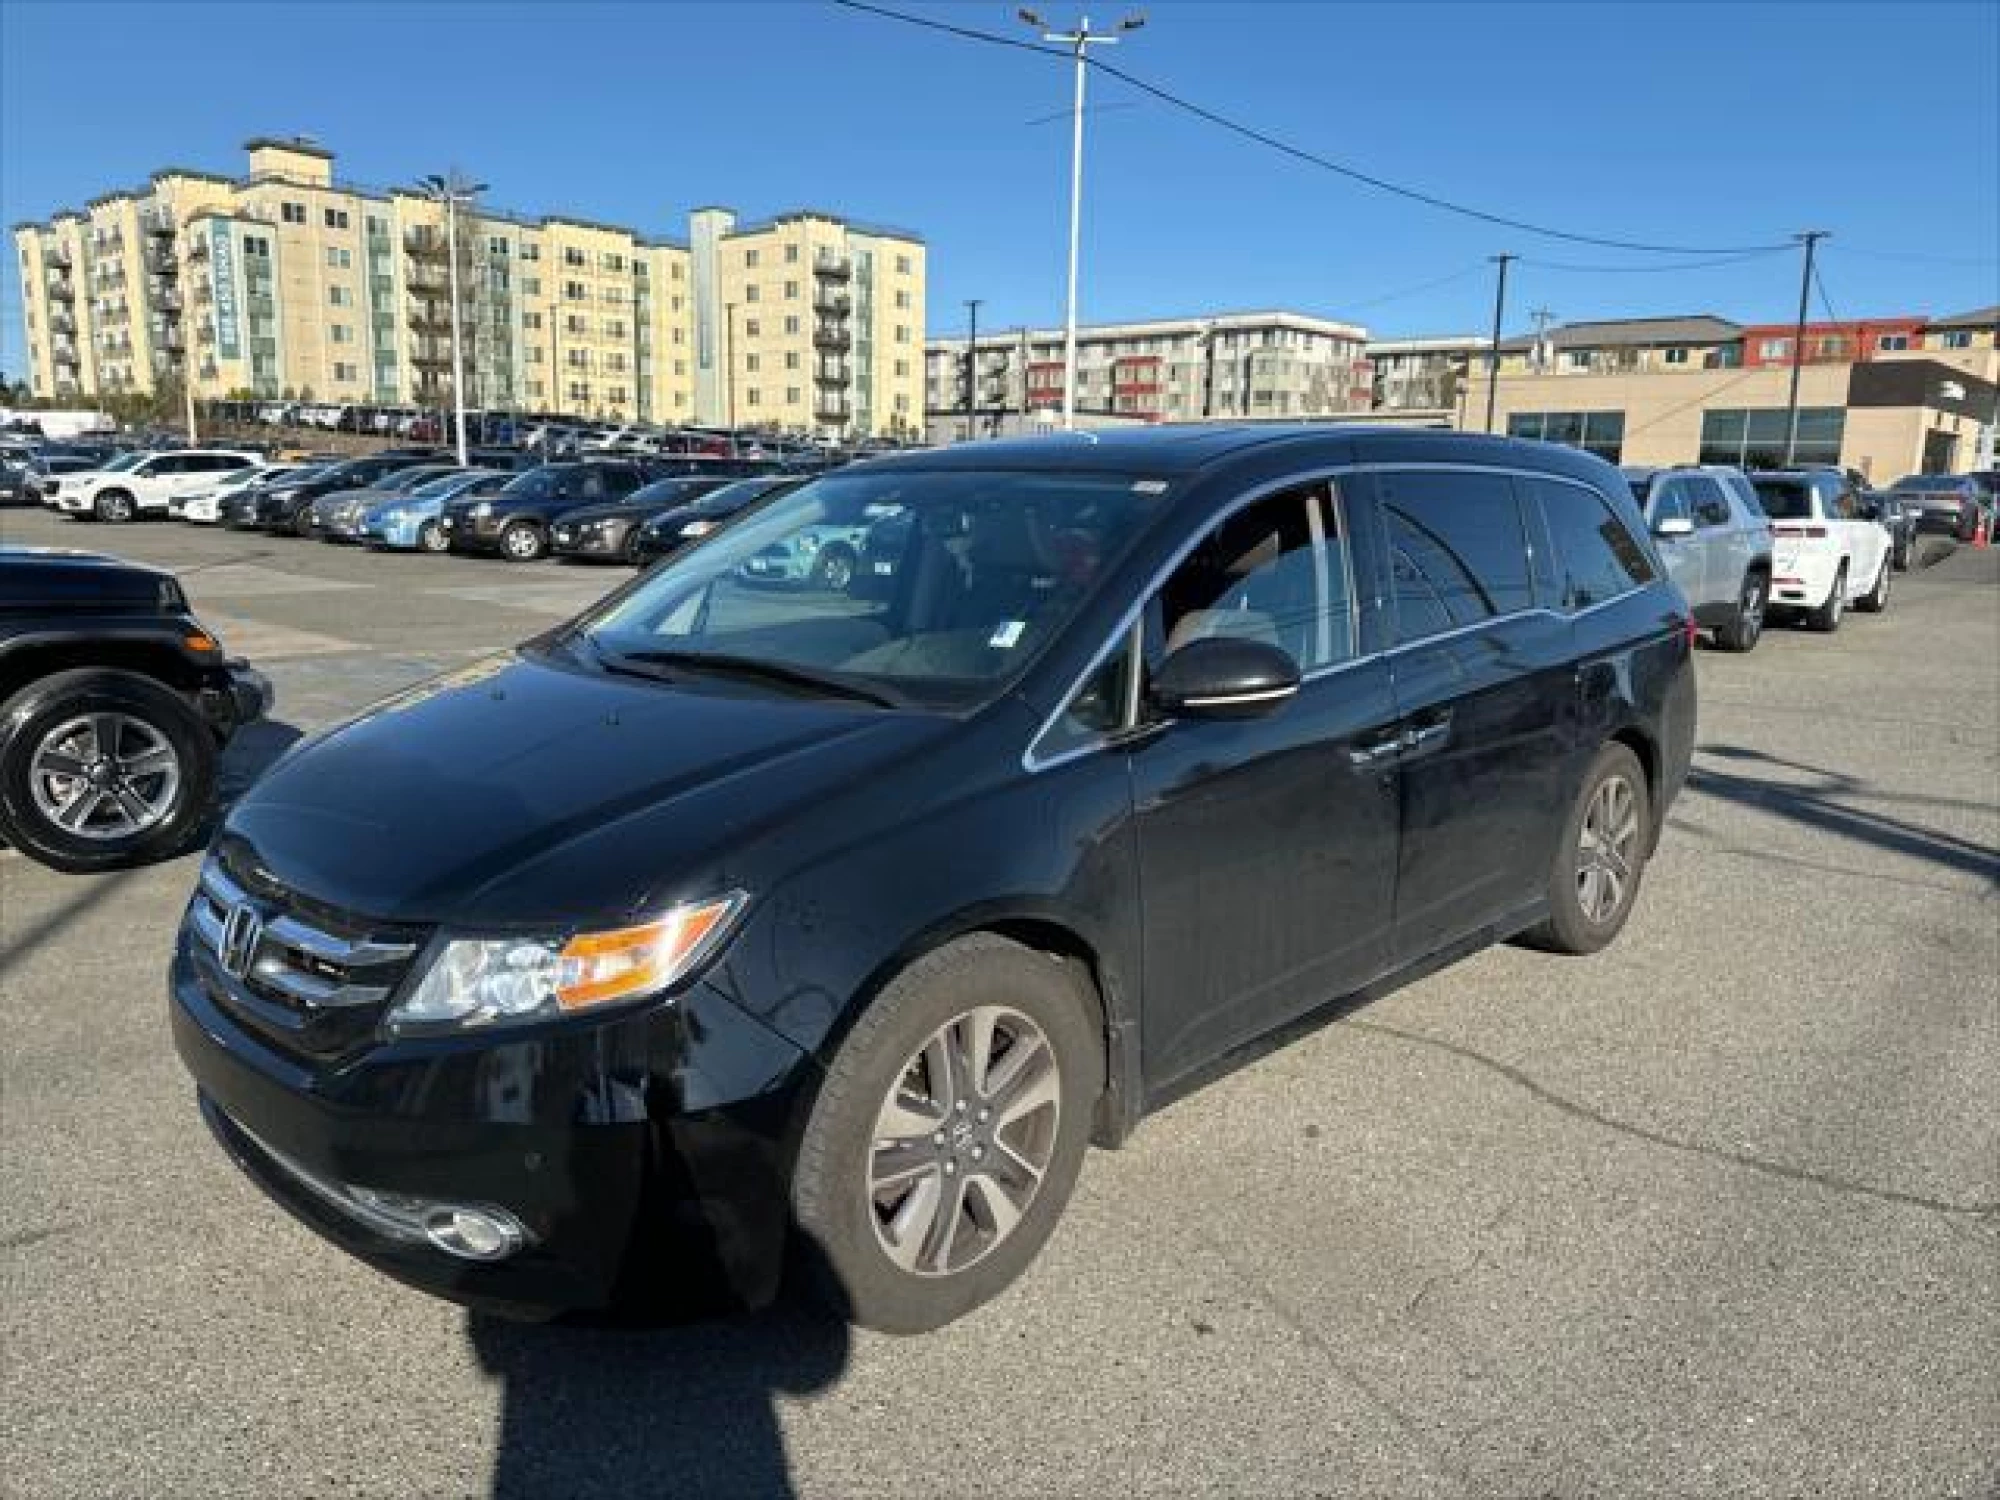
[1457, 549]
[1596, 558]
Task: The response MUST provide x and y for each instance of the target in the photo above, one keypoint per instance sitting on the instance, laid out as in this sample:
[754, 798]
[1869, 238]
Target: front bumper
[596, 544]
[473, 533]
[243, 696]
[646, 1156]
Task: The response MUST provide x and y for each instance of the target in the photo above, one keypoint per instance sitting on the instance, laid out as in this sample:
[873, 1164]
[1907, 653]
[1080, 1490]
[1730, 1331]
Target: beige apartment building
[1912, 395]
[288, 282]
[1258, 365]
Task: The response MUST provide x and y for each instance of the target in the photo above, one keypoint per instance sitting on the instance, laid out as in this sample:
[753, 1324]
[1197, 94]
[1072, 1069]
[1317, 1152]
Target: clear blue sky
[1695, 123]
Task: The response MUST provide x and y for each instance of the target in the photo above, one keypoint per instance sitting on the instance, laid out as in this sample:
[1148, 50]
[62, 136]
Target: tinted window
[1785, 499]
[1670, 502]
[1596, 558]
[1276, 571]
[1710, 505]
[1458, 552]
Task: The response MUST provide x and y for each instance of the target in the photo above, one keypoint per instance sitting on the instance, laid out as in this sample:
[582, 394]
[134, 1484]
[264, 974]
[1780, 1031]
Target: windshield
[446, 485]
[536, 484]
[410, 479]
[666, 492]
[124, 461]
[1785, 499]
[936, 585]
[733, 497]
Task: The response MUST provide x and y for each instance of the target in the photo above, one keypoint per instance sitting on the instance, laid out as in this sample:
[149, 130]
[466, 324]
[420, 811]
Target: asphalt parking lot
[1715, 1213]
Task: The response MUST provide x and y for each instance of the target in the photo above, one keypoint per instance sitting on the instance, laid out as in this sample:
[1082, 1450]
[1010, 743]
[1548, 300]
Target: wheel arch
[1635, 738]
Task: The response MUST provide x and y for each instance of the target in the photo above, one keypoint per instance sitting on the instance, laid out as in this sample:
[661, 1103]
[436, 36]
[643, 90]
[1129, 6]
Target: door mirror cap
[1221, 678]
[1674, 526]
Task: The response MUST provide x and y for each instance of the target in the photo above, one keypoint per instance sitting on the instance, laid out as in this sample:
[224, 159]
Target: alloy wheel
[1753, 611]
[522, 543]
[1604, 856]
[431, 537]
[104, 776]
[963, 1140]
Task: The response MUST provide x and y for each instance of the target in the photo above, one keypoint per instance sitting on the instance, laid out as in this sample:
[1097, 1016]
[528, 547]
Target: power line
[1411, 291]
[1692, 265]
[1300, 153]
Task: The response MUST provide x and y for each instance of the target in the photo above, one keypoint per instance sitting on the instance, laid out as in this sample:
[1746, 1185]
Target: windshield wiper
[827, 684]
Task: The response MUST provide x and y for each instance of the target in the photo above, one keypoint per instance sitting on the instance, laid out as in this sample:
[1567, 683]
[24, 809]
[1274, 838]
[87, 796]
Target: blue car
[410, 521]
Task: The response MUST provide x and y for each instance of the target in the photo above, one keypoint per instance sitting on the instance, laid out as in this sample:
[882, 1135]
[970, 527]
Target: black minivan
[728, 929]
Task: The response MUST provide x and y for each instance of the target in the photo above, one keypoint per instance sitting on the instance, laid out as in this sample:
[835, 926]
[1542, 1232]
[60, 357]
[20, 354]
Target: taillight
[1815, 532]
[1691, 629]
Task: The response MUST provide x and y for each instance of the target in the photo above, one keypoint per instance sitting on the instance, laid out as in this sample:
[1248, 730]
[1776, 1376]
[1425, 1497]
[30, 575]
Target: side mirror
[1672, 526]
[1220, 678]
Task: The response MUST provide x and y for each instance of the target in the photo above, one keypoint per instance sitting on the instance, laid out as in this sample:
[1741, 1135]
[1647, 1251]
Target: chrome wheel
[522, 543]
[963, 1140]
[1752, 609]
[431, 537]
[104, 776]
[1604, 855]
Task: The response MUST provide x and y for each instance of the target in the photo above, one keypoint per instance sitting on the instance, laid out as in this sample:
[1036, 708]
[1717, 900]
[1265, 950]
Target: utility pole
[1080, 41]
[1810, 239]
[972, 368]
[1503, 260]
[1543, 317]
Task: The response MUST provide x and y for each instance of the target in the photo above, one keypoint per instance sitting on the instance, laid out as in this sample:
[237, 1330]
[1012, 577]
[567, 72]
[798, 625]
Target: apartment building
[1258, 365]
[289, 281]
[1422, 375]
[1886, 396]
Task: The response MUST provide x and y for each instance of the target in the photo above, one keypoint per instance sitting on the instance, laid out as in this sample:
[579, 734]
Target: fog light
[474, 1233]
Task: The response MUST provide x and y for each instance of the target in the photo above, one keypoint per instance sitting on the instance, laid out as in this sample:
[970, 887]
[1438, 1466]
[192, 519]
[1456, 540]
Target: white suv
[135, 484]
[1826, 552]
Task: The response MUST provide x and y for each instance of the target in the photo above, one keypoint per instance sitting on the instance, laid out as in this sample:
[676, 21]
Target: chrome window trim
[1128, 621]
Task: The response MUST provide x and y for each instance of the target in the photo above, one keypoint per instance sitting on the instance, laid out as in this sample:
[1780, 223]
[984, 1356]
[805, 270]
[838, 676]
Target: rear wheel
[948, 1134]
[1746, 627]
[1600, 858]
[1877, 598]
[1826, 618]
[102, 769]
[833, 569]
[302, 520]
[115, 505]
[431, 538]
[523, 541]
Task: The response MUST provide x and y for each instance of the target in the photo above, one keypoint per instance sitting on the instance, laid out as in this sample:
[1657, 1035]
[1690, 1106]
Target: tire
[431, 538]
[1899, 555]
[115, 506]
[1578, 922]
[833, 569]
[1746, 626]
[1826, 618]
[849, 1228]
[522, 541]
[57, 720]
[302, 521]
[1877, 598]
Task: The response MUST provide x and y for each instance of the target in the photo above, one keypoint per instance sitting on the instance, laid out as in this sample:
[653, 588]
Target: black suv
[114, 702]
[684, 525]
[610, 532]
[726, 920]
[287, 506]
[515, 521]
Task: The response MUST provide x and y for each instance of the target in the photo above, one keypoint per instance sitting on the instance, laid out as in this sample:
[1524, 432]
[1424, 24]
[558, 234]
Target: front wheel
[1877, 598]
[115, 505]
[948, 1133]
[1746, 627]
[523, 541]
[1826, 619]
[302, 521]
[101, 769]
[1600, 858]
[833, 569]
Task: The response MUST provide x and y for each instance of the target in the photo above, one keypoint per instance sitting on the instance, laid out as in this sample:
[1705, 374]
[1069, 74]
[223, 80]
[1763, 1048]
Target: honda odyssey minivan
[727, 931]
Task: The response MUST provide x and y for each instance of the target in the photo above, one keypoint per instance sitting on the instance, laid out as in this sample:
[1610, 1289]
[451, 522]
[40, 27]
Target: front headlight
[697, 528]
[482, 510]
[483, 981]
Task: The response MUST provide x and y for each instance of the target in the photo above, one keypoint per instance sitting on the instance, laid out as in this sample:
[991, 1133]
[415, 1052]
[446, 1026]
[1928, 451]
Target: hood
[527, 791]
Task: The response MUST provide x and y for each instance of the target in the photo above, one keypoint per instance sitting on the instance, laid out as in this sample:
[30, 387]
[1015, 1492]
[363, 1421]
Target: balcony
[833, 304]
[61, 289]
[425, 277]
[62, 323]
[832, 408]
[429, 315]
[832, 372]
[167, 298]
[59, 257]
[65, 353]
[169, 338]
[160, 261]
[197, 249]
[833, 267]
[430, 354]
[830, 336]
[425, 244]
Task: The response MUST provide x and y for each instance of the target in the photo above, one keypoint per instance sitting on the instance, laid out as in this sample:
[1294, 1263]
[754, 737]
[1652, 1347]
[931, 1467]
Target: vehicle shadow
[1819, 804]
[253, 750]
[688, 1410]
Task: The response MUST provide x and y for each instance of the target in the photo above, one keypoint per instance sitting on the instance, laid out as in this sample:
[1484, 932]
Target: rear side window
[1596, 559]
[1457, 549]
[1711, 506]
[1785, 499]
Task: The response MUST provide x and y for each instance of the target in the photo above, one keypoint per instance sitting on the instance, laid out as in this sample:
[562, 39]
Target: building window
[752, 396]
[340, 333]
[1893, 341]
[531, 321]
[750, 292]
[791, 395]
[1775, 349]
[1754, 438]
[1676, 356]
[1958, 338]
[902, 265]
[902, 300]
[791, 325]
[791, 291]
[336, 218]
[531, 285]
[345, 371]
[791, 255]
[1599, 432]
[530, 250]
[902, 405]
[751, 363]
[338, 259]
[1577, 359]
[902, 333]
[339, 296]
[752, 328]
[749, 257]
[292, 213]
[573, 290]
[572, 256]
[791, 359]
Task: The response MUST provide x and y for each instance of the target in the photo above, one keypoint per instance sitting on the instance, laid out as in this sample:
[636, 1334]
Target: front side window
[936, 587]
[1595, 558]
[1458, 552]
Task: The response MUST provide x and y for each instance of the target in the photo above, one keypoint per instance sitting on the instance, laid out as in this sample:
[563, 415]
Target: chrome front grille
[313, 987]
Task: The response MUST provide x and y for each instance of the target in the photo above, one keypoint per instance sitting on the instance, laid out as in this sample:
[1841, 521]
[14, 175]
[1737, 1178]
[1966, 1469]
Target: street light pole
[1810, 239]
[450, 191]
[972, 368]
[1080, 41]
[729, 370]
